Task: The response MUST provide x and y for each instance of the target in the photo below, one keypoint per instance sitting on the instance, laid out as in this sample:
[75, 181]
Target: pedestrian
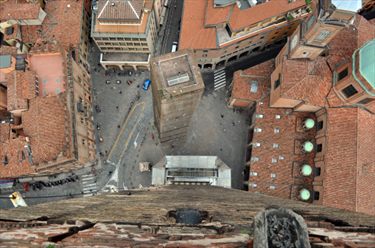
[144, 138]
[117, 107]
[106, 152]
[224, 129]
[101, 139]
[233, 123]
[152, 137]
[110, 172]
[118, 126]
[100, 171]
[222, 116]
[120, 91]
[81, 192]
[94, 181]
[94, 88]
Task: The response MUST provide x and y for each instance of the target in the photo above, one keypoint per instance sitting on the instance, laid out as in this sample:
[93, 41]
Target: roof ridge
[101, 12]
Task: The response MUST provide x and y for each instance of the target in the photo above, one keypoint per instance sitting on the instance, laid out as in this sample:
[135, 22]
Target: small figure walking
[118, 126]
[117, 107]
[144, 138]
[120, 91]
[224, 130]
[101, 139]
[233, 123]
[152, 137]
[222, 116]
[106, 152]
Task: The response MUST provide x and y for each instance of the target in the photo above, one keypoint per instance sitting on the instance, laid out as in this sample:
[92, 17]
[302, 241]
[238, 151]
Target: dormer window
[342, 74]
[349, 91]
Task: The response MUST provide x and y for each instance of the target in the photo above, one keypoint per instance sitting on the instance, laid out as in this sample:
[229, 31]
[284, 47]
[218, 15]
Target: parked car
[146, 84]
[118, 82]
[108, 82]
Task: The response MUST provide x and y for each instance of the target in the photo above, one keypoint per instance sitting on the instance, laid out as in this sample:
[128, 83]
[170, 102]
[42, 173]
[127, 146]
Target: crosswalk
[219, 79]
[89, 185]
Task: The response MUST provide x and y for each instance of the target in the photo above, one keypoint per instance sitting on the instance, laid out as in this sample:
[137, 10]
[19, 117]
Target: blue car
[146, 84]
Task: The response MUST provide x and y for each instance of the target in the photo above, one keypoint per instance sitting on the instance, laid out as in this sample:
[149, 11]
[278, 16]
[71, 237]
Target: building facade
[177, 87]
[126, 38]
[222, 32]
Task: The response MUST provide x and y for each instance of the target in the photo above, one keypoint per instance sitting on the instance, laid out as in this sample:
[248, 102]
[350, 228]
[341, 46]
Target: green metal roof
[5, 61]
[367, 62]
[309, 146]
[310, 123]
[306, 170]
[305, 194]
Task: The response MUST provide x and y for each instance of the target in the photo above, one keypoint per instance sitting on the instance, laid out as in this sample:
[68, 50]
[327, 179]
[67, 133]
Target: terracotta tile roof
[21, 86]
[193, 32]
[68, 29]
[240, 19]
[314, 82]
[365, 30]
[123, 28]
[121, 10]
[4, 132]
[29, 33]
[149, 4]
[14, 167]
[216, 15]
[19, 11]
[242, 81]
[8, 50]
[45, 124]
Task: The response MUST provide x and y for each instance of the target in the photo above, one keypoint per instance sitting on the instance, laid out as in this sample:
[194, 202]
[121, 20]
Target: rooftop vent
[254, 174]
[256, 144]
[9, 30]
[257, 130]
[308, 124]
[304, 195]
[278, 117]
[305, 170]
[307, 147]
[253, 185]
[178, 79]
[252, 2]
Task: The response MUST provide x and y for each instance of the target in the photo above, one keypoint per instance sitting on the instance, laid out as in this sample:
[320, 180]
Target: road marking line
[90, 185]
[88, 178]
[122, 153]
[220, 81]
[131, 112]
[219, 70]
[220, 87]
[220, 76]
[135, 140]
[88, 188]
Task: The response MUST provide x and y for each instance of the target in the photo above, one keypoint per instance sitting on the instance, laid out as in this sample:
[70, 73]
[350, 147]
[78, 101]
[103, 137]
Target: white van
[174, 46]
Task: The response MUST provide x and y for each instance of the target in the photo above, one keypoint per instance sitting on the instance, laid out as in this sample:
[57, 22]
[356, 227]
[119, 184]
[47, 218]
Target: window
[277, 130]
[222, 57]
[274, 160]
[273, 175]
[322, 36]
[44, 92]
[225, 51]
[275, 145]
[236, 47]
[349, 91]
[44, 81]
[277, 84]
[204, 55]
[83, 141]
[319, 126]
[57, 90]
[57, 80]
[250, 42]
[272, 187]
[205, 51]
[319, 148]
[316, 196]
[311, 21]
[2, 90]
[317, 171]
[276, 33]
[364, 101]
[261, 37]
[342, 74]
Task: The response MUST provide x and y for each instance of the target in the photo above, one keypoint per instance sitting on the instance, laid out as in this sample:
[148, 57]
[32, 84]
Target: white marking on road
[220, 81]
[135, 140]
[219, 70]
[220, 87]
[88, 185]
[219, 76]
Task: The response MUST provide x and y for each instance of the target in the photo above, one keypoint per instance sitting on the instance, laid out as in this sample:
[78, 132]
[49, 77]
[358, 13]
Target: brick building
[177, 87]
[126, 31]
[321, 77]
[149, 217]
[224, 31]
[46, 106]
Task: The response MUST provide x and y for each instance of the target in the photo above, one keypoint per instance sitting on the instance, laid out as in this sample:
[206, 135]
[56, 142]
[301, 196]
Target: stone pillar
[134, 67]
[121, 68]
